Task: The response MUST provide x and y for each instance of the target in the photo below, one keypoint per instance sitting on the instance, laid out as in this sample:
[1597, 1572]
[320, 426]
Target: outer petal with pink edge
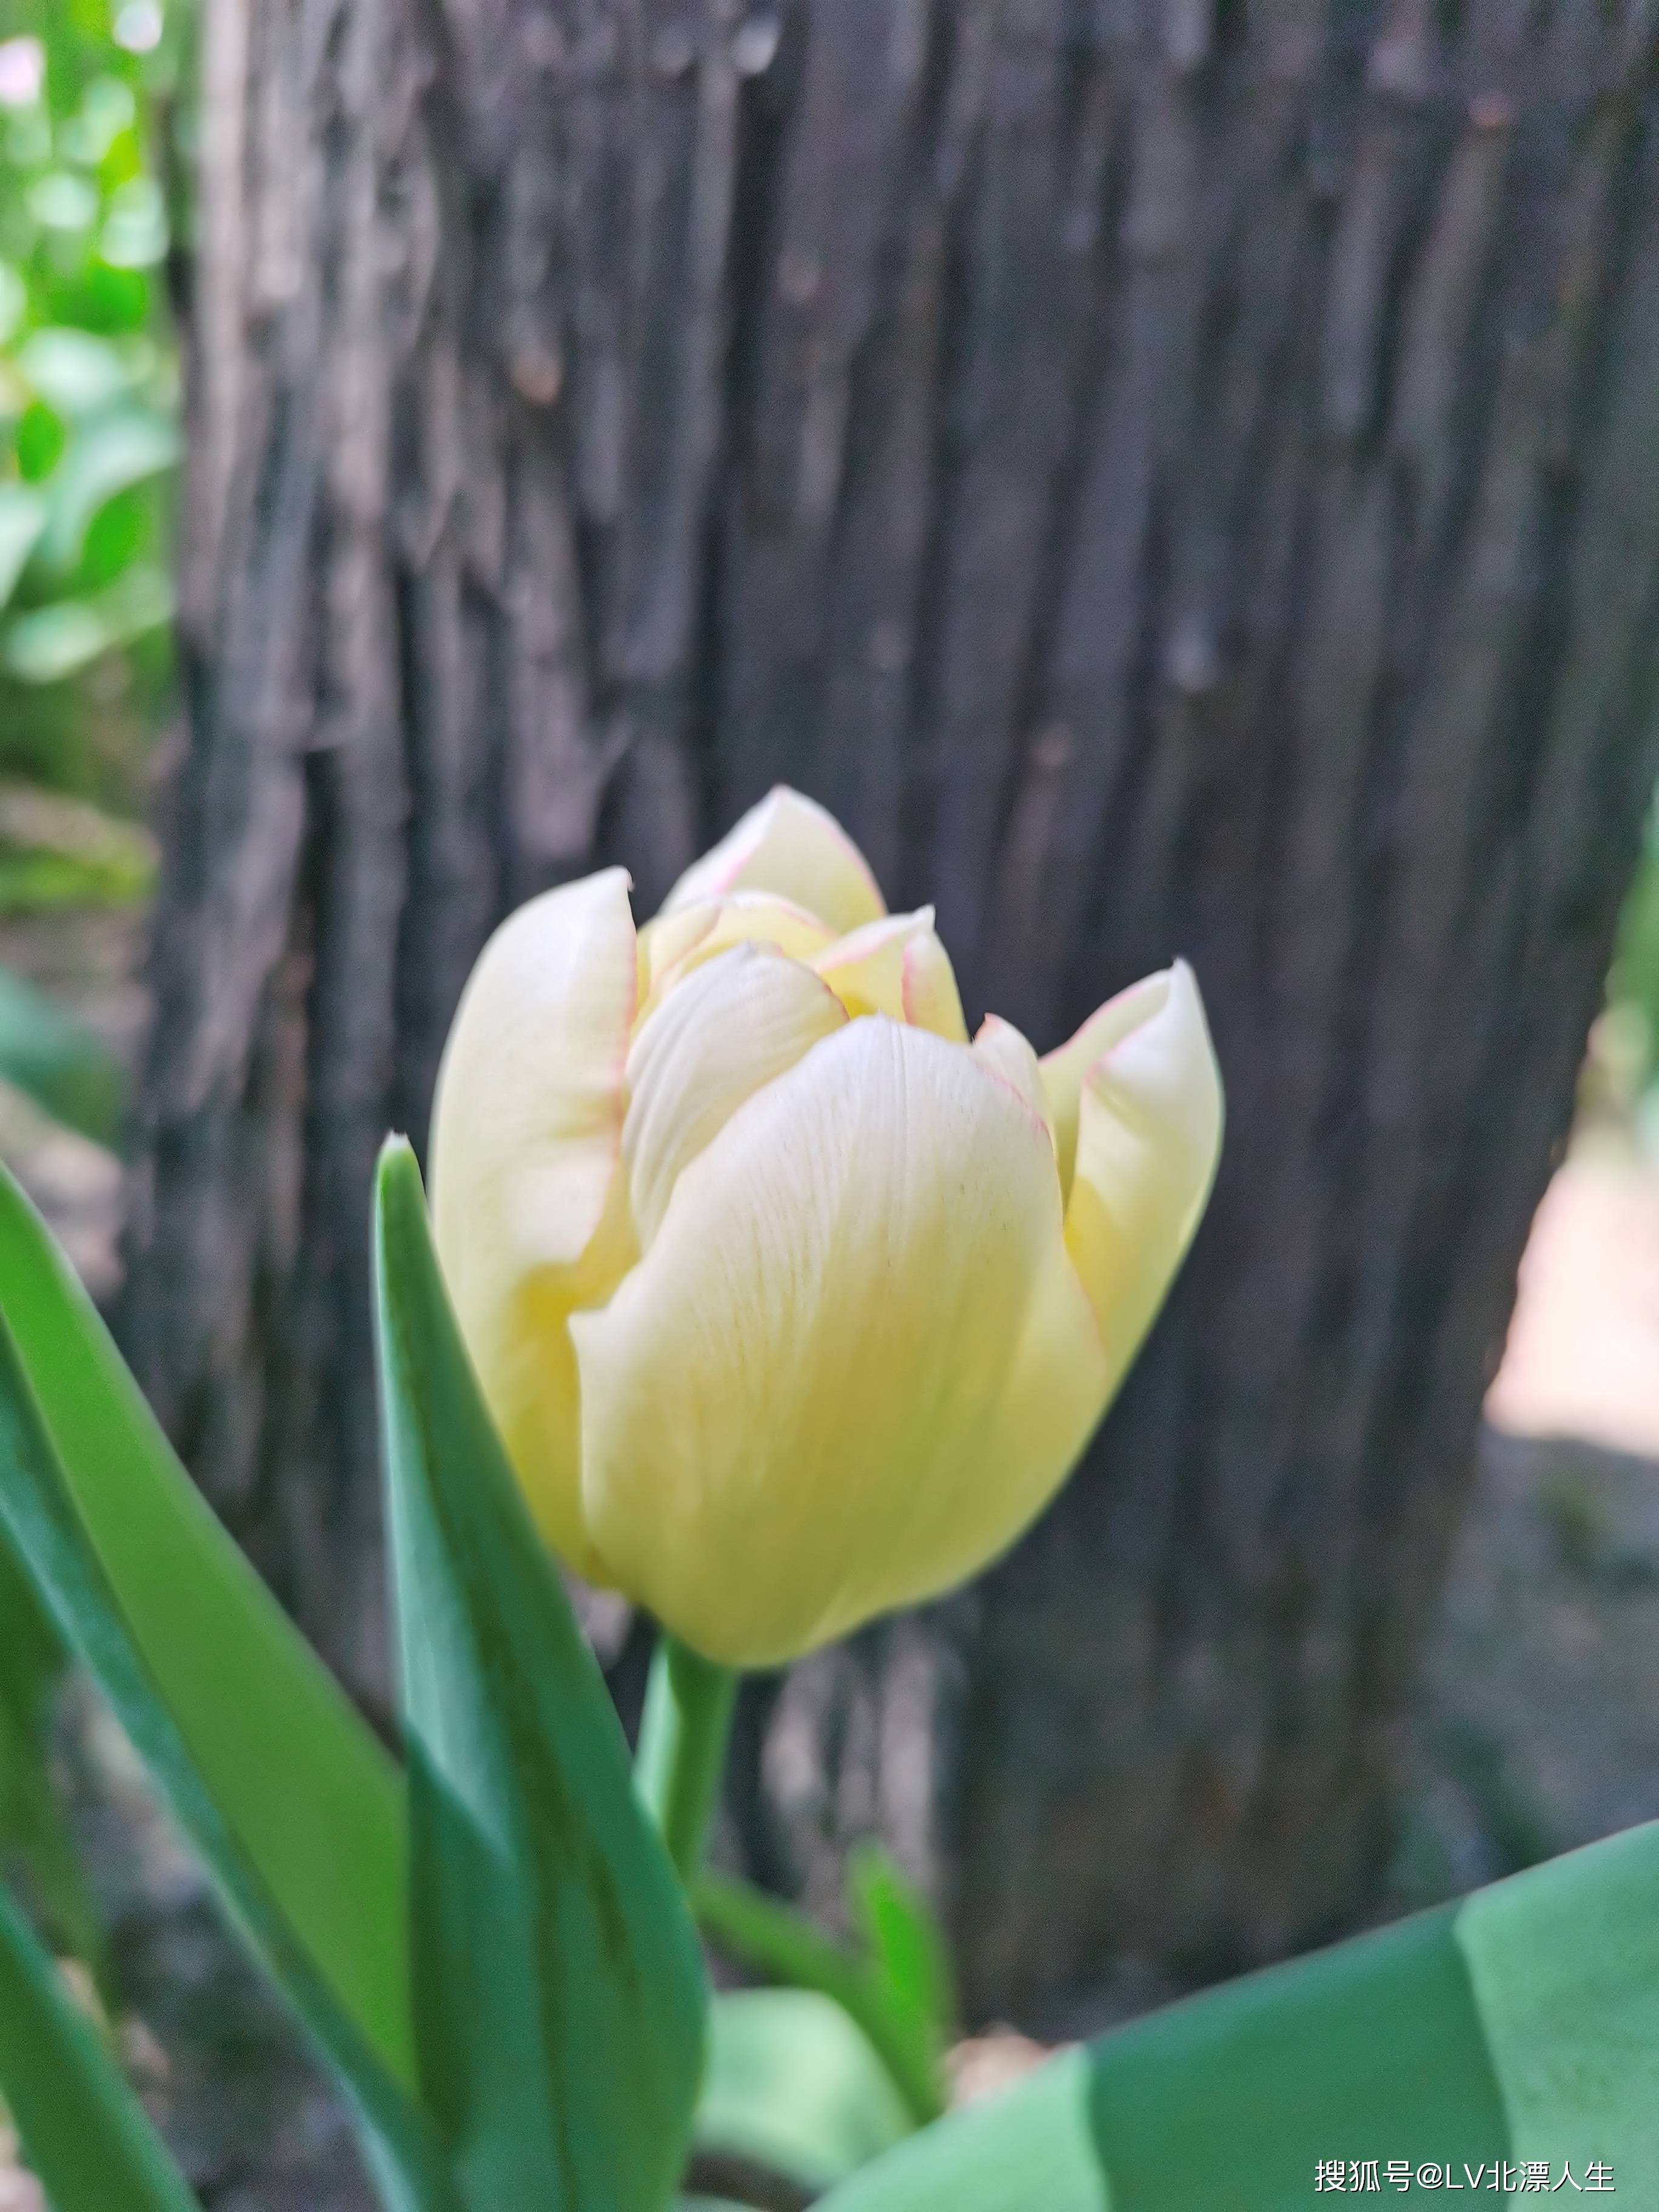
[855, 1361]
[1065, 1068]
[528, 1210]
[791, 845]
[1148, 1137]
[1007, 1052]
[898, 967]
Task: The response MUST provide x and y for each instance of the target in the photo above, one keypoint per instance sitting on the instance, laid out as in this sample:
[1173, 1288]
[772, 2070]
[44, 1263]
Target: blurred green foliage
[1625, 1057]
[89, 435]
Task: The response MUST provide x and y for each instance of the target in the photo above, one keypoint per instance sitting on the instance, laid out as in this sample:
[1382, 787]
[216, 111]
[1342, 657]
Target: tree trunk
[1173, 482]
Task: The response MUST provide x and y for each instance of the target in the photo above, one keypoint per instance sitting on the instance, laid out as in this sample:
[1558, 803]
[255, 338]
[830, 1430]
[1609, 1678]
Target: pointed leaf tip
[559, 1996]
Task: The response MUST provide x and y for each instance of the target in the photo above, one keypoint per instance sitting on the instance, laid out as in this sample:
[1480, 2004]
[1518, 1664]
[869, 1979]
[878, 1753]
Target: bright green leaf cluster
[89, 383]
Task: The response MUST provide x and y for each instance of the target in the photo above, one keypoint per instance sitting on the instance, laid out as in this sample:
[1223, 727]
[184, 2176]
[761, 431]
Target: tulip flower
[793, 1305]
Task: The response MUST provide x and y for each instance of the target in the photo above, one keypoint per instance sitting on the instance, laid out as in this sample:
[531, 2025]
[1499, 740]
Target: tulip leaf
[560, 2002]
[33, 1823]
[778, 1941]
[793, 2085]
[909, 1960]
[282, 1790]
[87, 2137]
[1518, 2025]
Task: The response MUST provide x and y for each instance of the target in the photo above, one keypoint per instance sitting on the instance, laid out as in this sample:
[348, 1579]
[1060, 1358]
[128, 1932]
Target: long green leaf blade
[33, 1823]
[1521, 2024]
[86, 2135]
[235, 1778]
[560, 2000]
[311, 1798]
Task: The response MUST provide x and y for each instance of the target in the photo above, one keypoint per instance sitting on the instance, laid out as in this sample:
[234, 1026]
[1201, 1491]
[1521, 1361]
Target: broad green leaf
[84, 2133]
[284, 1792]
[794, 2086]
[559, 1994]
[57, 1062]
[1564, 1963]
[22, 518]
[1522, 2023]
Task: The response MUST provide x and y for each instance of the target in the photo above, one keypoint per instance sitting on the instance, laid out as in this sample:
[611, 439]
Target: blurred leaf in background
[56, 851]
[1624, 1055]
[58, 1062]
[88, 388]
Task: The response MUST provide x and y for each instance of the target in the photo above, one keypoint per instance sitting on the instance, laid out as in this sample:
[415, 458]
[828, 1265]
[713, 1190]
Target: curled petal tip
[1004, 1050]
[1148, 1138]
[896, 967]
[793, 847]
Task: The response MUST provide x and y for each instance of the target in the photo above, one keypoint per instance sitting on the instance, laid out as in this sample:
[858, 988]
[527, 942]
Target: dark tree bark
[1174, 481]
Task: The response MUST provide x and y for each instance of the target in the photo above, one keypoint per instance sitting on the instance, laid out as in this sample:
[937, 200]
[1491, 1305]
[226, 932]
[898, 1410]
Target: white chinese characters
[1370, 2177]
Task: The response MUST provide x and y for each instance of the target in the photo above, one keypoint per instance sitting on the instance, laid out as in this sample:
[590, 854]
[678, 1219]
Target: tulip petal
[1149, 1134]
[673, 945]
[740, 1020]
[896, 967]
[1007, 1052]
[1065, 1068]
[855, 1361]
[788, 845]
[527, 1132]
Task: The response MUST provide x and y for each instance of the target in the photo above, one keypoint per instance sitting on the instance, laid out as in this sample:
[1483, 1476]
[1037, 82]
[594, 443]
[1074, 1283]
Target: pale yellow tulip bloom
[793, 1305]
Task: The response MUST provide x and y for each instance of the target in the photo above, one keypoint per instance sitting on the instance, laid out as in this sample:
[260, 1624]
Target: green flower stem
[682, 1740]
[682, 1754]
[771, 1938]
